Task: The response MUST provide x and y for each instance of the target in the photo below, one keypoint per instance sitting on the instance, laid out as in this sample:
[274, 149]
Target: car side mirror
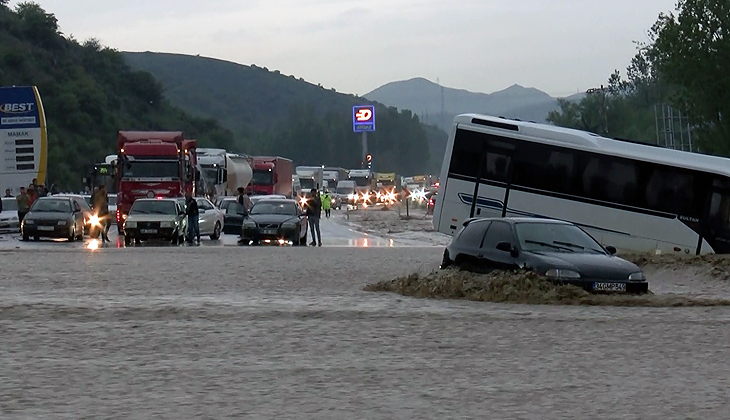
[507, 247]
[611, 249]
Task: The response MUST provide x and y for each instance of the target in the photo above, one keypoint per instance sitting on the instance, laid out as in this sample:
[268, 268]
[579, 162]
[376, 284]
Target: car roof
[515, 220]
[279, 200]
[157, 199]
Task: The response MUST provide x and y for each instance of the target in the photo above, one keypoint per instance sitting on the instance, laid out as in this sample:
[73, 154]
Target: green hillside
[271, 113]
[89, 93]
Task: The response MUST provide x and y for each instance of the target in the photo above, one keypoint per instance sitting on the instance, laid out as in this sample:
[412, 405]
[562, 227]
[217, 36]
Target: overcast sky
[558, 46]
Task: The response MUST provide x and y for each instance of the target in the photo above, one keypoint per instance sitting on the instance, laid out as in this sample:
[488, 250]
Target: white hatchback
[9, 216]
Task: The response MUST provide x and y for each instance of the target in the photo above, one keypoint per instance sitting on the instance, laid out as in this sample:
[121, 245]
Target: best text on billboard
[363, 118]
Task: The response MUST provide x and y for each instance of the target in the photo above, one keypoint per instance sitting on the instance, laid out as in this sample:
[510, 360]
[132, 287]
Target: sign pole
[364, 146]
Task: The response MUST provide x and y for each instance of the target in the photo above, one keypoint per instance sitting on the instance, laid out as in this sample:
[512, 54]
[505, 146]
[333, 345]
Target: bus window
[612, 180]
[718, 222]
[671, 191]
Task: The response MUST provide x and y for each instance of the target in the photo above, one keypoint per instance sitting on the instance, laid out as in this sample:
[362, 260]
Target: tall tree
[691, 50]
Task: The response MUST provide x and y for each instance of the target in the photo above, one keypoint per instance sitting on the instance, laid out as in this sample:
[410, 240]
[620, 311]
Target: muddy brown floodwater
[228, 332]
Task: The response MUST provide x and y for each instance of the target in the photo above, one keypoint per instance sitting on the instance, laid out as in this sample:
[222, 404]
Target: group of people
[27, 197]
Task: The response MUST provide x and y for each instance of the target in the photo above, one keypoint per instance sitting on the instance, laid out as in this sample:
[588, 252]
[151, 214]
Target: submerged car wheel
[446, 261]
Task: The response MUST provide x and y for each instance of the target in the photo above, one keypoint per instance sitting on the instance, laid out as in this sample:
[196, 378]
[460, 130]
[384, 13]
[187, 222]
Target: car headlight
[561, 273]
[249, 224]
[62, 223]
[130, 224]
[29, 221]
[167, 224]
[14, 218]
[638, 276]
[289, 225]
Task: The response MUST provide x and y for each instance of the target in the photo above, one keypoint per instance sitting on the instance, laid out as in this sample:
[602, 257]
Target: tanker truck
[225, 171]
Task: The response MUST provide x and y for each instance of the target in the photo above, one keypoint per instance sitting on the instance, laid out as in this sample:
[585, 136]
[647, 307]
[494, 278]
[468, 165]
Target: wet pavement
[215, 332]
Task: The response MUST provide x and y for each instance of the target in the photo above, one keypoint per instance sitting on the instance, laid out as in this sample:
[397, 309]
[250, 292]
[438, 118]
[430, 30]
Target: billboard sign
[23, 138]
[363, 118]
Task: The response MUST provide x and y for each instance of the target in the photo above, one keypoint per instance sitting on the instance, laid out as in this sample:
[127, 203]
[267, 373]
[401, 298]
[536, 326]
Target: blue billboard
[23, 136]
[363, 118]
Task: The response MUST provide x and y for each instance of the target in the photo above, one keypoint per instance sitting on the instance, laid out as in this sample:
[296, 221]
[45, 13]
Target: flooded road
[260, 332]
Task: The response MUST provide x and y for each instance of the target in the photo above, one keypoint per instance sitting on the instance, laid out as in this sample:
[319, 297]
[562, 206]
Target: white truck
[225, 171]
[310, 177]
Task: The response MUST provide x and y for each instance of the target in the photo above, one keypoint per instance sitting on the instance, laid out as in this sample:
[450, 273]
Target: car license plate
[45, 227]
[609, 287]
[268, 231]
[148, 231]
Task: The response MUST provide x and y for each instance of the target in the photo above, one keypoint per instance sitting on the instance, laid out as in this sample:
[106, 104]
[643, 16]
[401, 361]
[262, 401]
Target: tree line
[685, 64]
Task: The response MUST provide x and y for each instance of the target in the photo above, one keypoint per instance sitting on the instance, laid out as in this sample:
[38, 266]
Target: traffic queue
[253, 219]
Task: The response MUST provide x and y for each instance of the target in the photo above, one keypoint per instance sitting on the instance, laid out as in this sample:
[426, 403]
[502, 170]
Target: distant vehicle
[638, 197]
[232, 215]
[153, 164]
[224, 171]
[310, 177]
[275, 221]
[9, 215]
[210, 219]
[54, 217]
[561, 252]
[272, 175]
[346, 191]
[431, 201]
[155, 218]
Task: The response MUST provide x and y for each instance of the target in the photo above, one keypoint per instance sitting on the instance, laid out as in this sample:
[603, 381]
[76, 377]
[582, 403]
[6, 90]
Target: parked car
[9, 215]
[89, 227]
[256, 198]
[211, 219]
[559, 251]
[54, 217]
[155, 218]
[232, 215]
[275, 221]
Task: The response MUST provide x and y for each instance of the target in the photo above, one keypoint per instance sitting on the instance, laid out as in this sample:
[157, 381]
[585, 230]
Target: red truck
[153, 164]
[271, 175]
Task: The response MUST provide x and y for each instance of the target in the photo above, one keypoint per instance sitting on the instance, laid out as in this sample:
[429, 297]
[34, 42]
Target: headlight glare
[638, 276]
[561, 273]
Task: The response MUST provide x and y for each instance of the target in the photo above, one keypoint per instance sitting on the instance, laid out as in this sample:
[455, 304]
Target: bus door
[718, 218]
[495, 168]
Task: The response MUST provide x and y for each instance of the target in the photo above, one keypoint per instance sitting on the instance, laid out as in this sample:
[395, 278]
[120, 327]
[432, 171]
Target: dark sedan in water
[54, 217]
[560, 251]
[276, 221]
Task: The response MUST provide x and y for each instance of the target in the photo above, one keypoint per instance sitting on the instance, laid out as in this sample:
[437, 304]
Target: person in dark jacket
[314, 211]
[191, 210]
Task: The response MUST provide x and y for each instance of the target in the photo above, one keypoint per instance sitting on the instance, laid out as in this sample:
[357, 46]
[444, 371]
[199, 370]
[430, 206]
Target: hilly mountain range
[272, 113]
[438, 105]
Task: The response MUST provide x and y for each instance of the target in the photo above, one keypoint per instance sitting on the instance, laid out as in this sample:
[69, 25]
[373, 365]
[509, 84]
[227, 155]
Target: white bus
[636, 197]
